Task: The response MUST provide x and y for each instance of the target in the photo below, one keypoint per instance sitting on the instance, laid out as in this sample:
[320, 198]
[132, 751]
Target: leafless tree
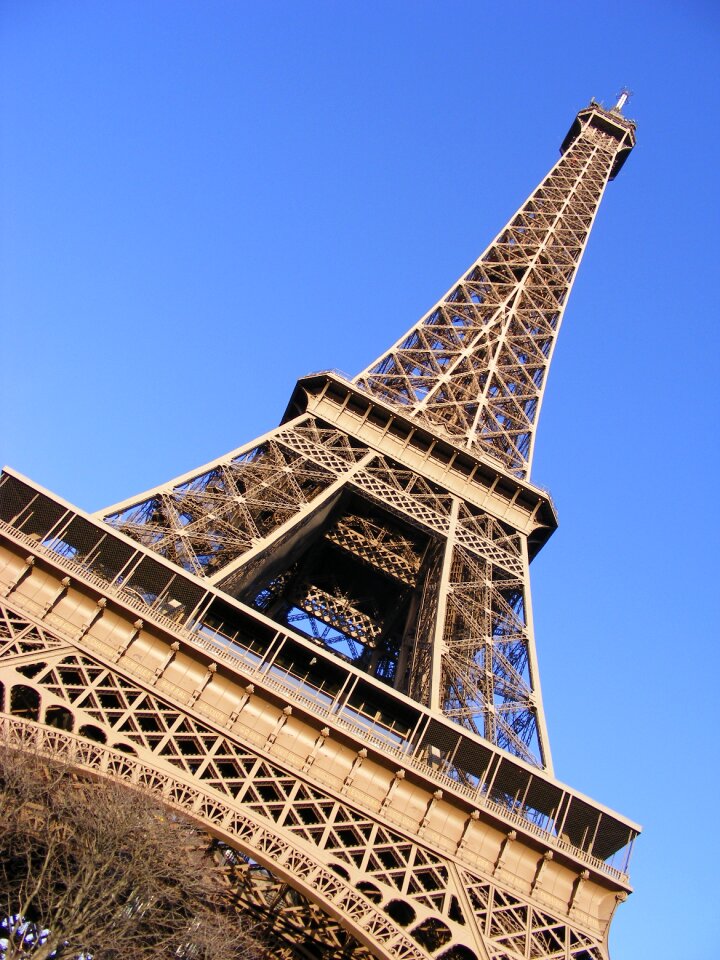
[91, 870]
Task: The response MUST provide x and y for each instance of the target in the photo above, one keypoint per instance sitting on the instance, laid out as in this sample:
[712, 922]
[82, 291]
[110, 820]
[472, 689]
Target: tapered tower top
[474, 367]
[612, 123]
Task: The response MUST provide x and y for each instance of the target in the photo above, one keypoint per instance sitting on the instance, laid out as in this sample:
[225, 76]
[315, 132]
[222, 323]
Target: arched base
[317, 891]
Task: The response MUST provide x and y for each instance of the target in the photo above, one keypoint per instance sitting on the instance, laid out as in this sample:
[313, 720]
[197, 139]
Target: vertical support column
[533, 671]
[438, 641]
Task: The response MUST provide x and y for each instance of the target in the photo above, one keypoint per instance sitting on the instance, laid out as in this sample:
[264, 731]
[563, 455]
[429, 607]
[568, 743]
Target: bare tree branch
[91, 870]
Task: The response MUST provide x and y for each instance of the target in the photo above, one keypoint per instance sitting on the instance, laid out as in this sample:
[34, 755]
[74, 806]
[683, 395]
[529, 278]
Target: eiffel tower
[320, 645]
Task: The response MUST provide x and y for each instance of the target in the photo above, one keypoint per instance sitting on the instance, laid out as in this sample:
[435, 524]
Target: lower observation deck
[42, 531]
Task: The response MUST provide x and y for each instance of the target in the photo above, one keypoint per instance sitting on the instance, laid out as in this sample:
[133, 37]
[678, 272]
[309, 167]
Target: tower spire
[622, 99]
[475, 365]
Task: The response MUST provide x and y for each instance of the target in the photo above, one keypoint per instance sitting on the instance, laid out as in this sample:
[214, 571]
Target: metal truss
[338, 541]
[475, 365]
[271, 522]
[320, 646]
[304, 852]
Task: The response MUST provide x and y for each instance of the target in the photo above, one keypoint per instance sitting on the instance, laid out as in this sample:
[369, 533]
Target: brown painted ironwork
[320, 645]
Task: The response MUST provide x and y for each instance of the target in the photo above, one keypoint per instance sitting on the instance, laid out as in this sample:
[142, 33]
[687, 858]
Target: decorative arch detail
[238, 828]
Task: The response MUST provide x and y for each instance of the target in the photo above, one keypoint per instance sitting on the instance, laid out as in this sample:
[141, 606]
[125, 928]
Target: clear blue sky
[202, 201]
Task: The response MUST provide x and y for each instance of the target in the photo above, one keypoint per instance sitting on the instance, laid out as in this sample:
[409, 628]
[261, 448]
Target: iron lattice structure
[321, 646]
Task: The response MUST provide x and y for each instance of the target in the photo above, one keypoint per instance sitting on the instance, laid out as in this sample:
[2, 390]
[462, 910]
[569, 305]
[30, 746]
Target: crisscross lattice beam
[475, 365]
